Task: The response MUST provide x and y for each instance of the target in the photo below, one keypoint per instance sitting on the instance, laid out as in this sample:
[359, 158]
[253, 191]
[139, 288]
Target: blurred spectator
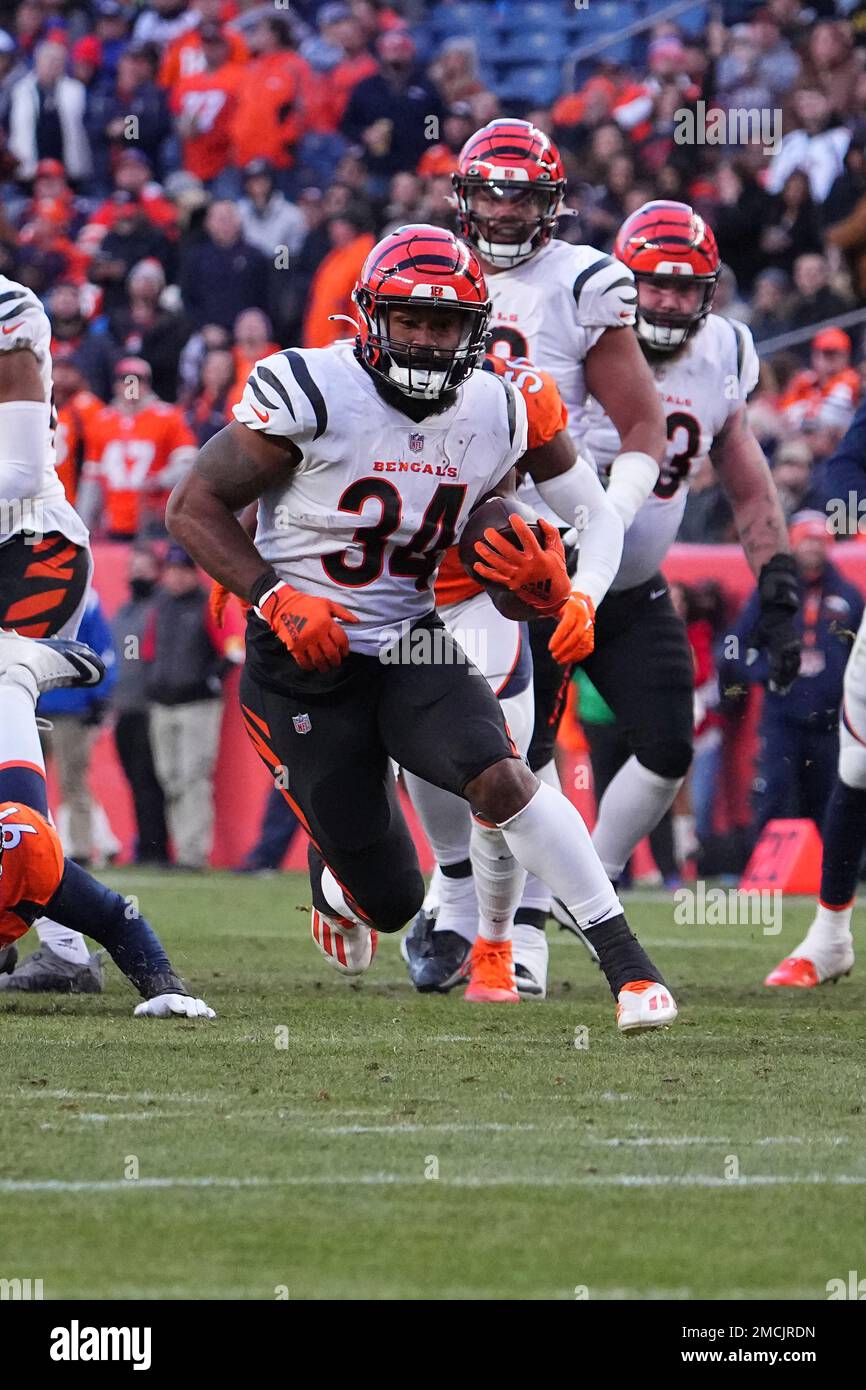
[187, 54]
[45, 253]
[274, 98]
[204, 103]
[131, 238]
[222, 274]
[75, 716]
[845, 215]
[768, 317]
[163, 21]
[130, 113]
[212, 338]
[132, 175]
[792, 473]
[791, 226]
[441, 158]
[831, 66]
[209, 410]
[344, 36]
[849, 187]
[742, 210]
[71, 333]
[136, 449]
[184, 654]
[799, 731]
[390, 113]
[815, 300]
[85, 61]
[407, 203]
[455, 71]
[268, 220]
[827, 393]
[778, 66]
[253, 340]
[333, 282]
[112, 31]
[76, 408]
[46, 119]
[817, 146]
[12, 68]
[707, 519]
[142, 327]
[132, 725]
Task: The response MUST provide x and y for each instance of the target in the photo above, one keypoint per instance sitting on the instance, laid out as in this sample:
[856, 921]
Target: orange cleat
[795, 972]
[644, 1004]
[492, 978]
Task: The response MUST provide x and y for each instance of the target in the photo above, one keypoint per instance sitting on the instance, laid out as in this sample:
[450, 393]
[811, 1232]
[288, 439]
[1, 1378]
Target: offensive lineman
[366, 460]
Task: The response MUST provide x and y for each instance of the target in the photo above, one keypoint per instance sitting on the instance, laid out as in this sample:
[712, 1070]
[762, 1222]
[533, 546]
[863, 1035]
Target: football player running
[704, 367]
[353, 522]
[827, 951]
[437, 946]
[570, 310]
[33, 875]
[45, 562]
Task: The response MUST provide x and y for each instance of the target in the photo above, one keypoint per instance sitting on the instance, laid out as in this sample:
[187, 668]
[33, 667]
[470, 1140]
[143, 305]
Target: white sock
[433, 895]
[458, 907]
[631, 807]
[685, 840]
[549, 838]
[336, 898]
[832, 924]
[499, 881]
[68, 945]
[537, 895]
[445, 817]
[19, 737]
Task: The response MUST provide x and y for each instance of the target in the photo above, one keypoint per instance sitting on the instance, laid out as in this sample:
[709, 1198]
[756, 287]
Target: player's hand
[775, 632]
[574, 637]
[173, 1006]
[538, 575]
[218, 601]
[308, 626]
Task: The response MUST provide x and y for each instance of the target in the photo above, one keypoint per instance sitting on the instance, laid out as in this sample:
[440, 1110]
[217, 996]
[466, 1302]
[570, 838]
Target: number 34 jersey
[376, 499]
[700, 389]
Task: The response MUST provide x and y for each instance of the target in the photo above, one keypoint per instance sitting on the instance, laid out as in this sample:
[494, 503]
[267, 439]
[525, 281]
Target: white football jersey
[554, 307]
[377, 498]
[700, 389]
[24, 324]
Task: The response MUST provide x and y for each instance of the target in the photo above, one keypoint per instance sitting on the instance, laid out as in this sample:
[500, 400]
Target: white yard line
[542, 1180]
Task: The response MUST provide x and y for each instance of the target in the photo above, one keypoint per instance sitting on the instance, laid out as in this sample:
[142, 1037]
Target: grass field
[292, 1147]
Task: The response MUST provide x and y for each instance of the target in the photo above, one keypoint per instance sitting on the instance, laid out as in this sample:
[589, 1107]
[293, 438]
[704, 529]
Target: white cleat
[530, 952]
[644, 1004]
[47, 663]
[348, 946]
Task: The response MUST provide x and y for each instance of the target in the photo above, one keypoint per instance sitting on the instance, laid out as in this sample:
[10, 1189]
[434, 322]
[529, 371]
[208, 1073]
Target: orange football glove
[574, 637]
[306, 624]
[538, 575]
[218, 600]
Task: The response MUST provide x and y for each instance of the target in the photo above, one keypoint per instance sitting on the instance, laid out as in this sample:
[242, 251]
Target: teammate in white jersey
[704, 368]
[45, 568]
[569, 310]
[366, 461]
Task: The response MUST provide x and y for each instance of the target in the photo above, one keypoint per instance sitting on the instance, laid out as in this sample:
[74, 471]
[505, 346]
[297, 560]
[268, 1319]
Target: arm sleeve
[580, 500]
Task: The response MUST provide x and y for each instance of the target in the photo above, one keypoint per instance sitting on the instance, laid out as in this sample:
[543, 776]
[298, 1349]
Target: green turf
[558, 1167]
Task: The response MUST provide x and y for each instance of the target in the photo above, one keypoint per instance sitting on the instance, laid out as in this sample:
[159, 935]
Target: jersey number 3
[418, 558]
[674, 469]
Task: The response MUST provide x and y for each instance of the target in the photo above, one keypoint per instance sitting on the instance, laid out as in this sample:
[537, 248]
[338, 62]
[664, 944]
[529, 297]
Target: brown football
[494, 515]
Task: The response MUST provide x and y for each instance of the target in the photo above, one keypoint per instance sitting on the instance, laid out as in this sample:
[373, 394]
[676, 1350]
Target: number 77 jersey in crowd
[700, 388]
[376, 498]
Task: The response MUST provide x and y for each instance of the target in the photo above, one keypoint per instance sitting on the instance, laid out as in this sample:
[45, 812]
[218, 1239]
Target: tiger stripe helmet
[426, 266]
[666, 242]
[519, 166]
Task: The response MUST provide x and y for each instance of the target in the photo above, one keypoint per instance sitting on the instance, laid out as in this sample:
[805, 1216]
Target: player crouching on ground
[366, 459]
[34, 879]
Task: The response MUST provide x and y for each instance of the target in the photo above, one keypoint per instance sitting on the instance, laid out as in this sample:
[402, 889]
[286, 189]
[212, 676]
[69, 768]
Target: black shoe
[8, 959]
[437, 960]
[44, 972]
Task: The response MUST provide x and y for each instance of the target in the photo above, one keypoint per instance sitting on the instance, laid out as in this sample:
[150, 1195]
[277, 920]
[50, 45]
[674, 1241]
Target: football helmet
[519, 166]
[667, 243]
[425, 267]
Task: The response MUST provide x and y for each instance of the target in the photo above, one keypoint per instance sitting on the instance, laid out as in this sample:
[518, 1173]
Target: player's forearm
[760, 525]
[579, 499]
[210, 532]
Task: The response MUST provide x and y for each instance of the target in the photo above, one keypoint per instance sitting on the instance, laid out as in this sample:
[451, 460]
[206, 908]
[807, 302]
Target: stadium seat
[538, 85]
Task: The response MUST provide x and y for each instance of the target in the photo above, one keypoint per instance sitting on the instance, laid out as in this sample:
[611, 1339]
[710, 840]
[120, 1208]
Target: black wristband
[777, 583]
[265, 581]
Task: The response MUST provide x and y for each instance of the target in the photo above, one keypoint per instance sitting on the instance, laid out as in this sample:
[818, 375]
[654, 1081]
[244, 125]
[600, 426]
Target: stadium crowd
[188, 186]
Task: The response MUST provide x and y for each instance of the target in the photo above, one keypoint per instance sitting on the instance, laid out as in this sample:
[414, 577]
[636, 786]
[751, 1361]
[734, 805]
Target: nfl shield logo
[416, 443]
[302, 722]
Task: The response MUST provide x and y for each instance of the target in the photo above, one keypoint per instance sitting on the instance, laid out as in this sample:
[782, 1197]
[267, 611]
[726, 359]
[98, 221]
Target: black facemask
[142, 588]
